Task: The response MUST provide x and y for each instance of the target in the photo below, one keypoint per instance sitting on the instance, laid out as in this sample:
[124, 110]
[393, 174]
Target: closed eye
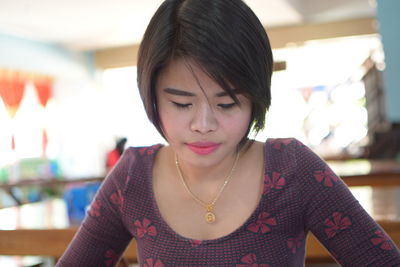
[181, 105]
[227, 106]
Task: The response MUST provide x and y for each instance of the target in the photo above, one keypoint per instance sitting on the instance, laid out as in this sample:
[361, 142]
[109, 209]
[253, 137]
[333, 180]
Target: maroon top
[301, 194]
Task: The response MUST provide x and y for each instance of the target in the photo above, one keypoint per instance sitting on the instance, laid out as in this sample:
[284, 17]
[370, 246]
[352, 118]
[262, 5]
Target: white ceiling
[96, 24]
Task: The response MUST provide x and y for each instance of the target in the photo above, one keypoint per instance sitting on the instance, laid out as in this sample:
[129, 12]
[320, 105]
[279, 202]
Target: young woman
[213, 197]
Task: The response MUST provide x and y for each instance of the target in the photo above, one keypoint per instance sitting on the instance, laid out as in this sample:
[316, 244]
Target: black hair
[120, 145]
[224, 37]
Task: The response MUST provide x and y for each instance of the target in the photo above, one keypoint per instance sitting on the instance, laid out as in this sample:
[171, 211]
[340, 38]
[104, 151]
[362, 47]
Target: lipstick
[203, 148]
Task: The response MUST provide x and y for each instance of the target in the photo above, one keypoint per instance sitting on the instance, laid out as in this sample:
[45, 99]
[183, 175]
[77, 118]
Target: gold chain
[209, 216]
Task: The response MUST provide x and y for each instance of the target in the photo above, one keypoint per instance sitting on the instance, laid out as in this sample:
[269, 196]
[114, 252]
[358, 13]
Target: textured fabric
[301, 194]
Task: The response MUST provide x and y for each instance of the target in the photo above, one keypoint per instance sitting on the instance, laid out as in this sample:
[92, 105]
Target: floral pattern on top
[250, 260]
[336, 223]
[277, 143]
[327, 177]
[149, 150]
[262, 224]
[95, 208]
[294, 243]
[145, 227]
[381, 240]
[195, 243]
[117, 199]
[275, 182]
[111, 257]
[153, 263]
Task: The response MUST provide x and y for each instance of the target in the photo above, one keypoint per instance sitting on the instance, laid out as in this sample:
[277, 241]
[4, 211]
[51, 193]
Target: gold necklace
[209, 216]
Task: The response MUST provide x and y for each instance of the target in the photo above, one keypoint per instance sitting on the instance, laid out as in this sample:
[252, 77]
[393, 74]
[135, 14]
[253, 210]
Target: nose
[204, 120]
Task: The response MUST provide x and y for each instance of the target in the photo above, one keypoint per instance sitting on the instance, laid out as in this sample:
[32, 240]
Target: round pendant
[210, 217]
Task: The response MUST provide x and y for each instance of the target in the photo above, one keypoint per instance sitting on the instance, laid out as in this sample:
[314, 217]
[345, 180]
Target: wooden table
[362, 172]
[44, 183]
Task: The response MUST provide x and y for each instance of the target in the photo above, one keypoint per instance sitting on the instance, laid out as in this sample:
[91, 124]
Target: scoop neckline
[170, 230]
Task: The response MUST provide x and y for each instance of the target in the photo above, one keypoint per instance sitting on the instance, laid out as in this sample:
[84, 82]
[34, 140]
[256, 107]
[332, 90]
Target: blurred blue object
[78, 199]
[34, 194]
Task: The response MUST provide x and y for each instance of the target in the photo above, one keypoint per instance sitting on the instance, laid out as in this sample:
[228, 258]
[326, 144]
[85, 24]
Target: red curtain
[44, 91]
[12, 87]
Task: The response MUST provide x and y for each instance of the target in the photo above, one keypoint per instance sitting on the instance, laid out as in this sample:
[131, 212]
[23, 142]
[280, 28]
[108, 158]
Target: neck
[209, 205]
[215, 174]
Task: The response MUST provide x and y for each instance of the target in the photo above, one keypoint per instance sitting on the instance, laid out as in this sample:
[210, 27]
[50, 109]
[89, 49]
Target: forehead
[186, 75]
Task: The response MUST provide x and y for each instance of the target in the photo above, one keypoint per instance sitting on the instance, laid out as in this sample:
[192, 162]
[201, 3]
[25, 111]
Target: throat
[207, 205]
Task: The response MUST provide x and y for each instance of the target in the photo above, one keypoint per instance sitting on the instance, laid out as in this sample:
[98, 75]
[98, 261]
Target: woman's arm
[337, 219]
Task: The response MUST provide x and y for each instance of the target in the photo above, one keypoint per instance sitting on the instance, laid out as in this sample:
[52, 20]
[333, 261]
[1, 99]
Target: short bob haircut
[224, 37]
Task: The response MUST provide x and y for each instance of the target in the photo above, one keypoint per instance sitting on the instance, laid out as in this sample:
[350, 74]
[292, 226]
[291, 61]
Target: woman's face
[201, 122]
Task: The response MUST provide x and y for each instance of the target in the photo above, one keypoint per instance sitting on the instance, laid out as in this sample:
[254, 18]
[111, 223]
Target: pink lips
[203, 148]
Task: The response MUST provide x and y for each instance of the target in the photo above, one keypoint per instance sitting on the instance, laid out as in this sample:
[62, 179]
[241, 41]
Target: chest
[190, 218]
[264, 237]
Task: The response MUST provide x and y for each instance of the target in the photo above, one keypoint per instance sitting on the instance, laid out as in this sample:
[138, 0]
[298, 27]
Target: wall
[52, 59]
[70, 135]
[389, 21]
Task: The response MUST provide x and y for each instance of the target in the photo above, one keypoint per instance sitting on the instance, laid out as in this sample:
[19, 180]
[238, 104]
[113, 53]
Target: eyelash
[223, 106]
[181, 106]
[227, 106]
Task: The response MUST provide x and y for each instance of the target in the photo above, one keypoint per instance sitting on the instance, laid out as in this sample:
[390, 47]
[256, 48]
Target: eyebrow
[225, 93]
[179, 92]
[173, 91]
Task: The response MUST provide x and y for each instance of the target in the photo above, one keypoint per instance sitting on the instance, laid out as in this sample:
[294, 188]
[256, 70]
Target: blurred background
[68, 98]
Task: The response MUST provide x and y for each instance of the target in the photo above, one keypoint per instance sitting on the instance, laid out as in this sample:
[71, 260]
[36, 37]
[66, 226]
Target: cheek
[169, 123]
[238, 124]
